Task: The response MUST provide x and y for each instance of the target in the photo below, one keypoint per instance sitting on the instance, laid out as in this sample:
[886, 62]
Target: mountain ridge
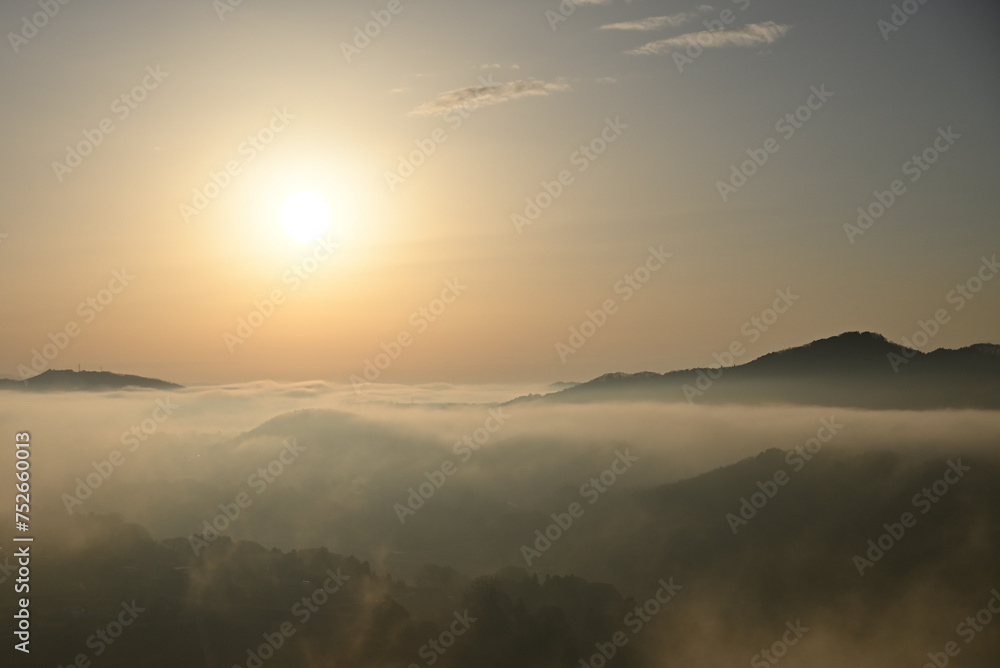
[62, 380]
[852, 369]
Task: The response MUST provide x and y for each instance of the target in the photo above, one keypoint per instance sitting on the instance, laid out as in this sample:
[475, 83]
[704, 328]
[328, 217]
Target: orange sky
[434, 144]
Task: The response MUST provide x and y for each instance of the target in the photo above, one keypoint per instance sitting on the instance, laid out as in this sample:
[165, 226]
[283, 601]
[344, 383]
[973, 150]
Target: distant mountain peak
[985, 348]
[840, 351]
[619, 376]
[60, 380]
[858, 335]
[849, 342]
[856, 369]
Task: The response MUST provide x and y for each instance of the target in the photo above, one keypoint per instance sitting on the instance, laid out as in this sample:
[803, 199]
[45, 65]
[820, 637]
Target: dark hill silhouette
[854, 369]
[793, 559]
[62, 380]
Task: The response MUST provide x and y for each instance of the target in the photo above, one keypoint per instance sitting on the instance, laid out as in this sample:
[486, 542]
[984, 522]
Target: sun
[304, 216]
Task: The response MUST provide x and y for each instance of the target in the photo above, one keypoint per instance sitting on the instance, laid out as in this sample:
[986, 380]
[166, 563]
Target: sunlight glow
[304, 216]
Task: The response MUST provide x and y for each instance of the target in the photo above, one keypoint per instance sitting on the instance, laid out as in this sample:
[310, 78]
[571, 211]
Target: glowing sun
[304, 216]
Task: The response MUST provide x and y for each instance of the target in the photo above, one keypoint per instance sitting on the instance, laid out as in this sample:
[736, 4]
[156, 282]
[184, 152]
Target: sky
[517, 191]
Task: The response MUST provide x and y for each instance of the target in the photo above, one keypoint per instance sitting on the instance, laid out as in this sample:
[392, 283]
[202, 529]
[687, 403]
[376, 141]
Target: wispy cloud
[657, 22]
[754, 34]
[488, 93]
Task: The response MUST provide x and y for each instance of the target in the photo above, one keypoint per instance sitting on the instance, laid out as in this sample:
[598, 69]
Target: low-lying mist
[757, 513]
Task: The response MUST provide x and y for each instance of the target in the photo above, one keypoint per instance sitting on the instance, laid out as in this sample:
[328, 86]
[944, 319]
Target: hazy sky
[161, 95]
